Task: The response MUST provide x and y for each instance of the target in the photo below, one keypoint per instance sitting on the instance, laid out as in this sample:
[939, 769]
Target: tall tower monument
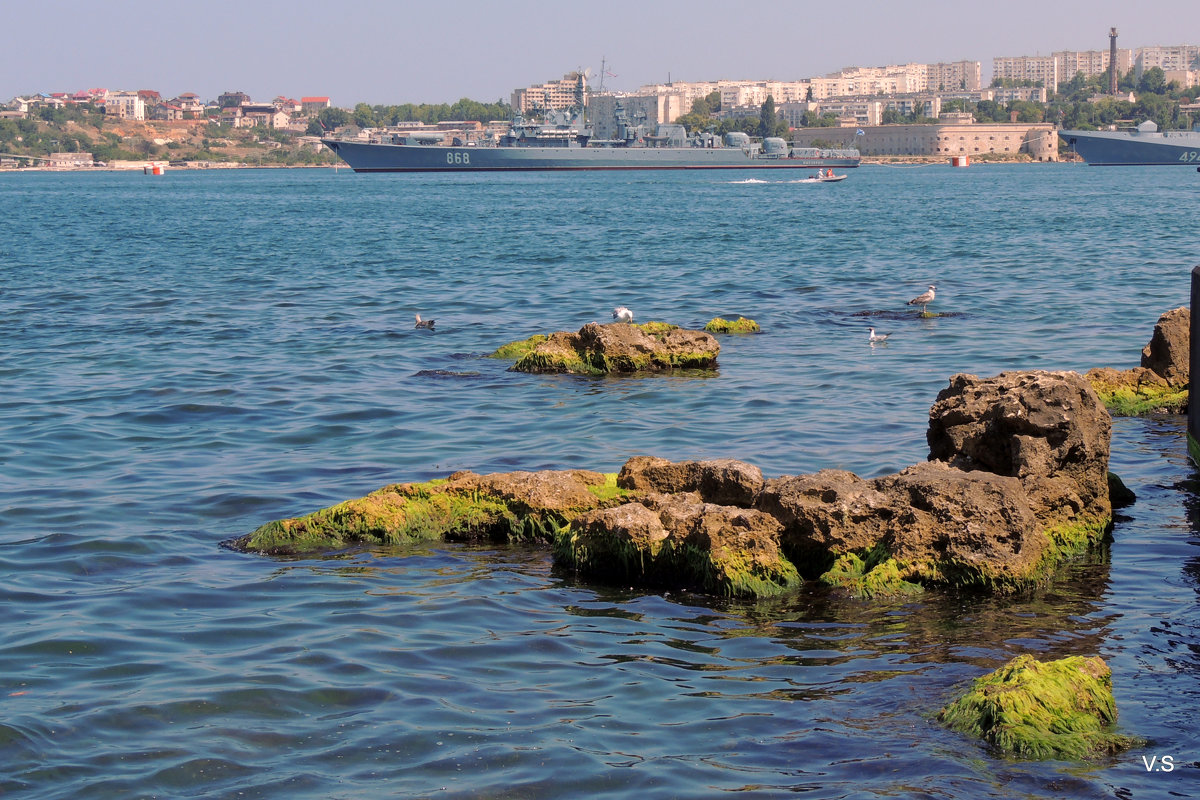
[1112, 61]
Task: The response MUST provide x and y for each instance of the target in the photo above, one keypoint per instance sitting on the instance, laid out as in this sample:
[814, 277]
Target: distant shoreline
[906, 161]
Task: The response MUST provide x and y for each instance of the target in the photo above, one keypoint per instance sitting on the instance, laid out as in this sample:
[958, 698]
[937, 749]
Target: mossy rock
[677, 566]
[1043, 710]
[408, 513]
[1137, 392]
[1136, 401]
[617, 348]
[514, 351]
[739, 325]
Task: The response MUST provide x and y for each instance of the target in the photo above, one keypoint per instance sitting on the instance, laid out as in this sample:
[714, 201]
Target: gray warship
[1145, 144]
[563, 141]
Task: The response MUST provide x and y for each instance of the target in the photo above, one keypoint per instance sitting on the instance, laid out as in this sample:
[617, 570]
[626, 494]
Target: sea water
[188, 356]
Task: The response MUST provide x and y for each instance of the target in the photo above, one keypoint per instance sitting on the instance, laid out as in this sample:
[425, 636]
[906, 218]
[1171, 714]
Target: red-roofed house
[288, 104]
[313, 105]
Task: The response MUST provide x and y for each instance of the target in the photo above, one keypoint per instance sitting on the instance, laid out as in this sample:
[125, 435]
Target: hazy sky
[396, 51]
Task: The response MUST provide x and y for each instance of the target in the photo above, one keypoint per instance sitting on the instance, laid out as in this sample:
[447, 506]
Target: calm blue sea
[186, 357]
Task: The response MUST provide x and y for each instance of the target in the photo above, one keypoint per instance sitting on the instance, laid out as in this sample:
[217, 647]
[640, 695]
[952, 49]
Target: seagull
[923, 300]
[622, 314]
[424, 323]
[876, 338]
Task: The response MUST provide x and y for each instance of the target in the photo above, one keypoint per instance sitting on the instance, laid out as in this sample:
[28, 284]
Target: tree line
[365, 116]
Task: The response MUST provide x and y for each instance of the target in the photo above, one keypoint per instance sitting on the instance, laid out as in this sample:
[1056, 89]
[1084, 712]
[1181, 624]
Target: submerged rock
[1160, 384]
[615, 348]
[1043, 710]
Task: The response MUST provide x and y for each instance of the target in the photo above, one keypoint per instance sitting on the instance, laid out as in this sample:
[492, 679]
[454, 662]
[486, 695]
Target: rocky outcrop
[616, 348]
[1160, 384]
[1049, 430]
[1017, 481]
[532, 506]
[1168, 354]
[1061, 710]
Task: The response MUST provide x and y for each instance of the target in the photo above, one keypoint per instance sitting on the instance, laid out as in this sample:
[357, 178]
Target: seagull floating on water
[876, 338]
[424, 323]
[622, 314]
[923, 300]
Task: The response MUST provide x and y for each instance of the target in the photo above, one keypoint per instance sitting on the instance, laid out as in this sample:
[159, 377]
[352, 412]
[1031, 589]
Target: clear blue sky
[395, 51]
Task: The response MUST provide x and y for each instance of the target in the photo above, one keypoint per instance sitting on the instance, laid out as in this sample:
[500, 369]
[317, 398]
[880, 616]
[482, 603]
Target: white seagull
[622, 314]
[424, 323]
[876, 338]
[923, 300]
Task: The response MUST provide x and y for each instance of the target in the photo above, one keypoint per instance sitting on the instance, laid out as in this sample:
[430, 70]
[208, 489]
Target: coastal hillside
[185, 141]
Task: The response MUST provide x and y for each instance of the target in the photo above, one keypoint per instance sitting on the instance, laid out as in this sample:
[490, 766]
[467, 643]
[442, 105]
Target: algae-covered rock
[928, 525]
[1043, 710]
[527, 506]
[514, 351]
[739, 325]
[679, 541]
[1137, 392]
[1160, 384]
[619, 348]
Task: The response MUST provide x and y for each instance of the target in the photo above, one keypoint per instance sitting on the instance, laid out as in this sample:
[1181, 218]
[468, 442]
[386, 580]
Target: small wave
[445, 373]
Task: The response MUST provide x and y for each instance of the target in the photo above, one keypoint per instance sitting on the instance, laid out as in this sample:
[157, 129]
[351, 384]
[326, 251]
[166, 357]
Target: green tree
[331, 118]
[364, 116]
[891, 116]
[1153, 80]
[768, 119]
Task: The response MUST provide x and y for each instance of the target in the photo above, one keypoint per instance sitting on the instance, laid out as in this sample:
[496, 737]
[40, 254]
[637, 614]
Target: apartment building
[1090, 62]
[124, 105]
[560, 94]
[1179, 58]
[955, 75]
[862, 111]
[1043, 69]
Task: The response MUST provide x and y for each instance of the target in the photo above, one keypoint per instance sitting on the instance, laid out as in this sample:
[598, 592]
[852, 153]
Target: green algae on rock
[616, 348]
[1017, 483]
[1137, 392]
[739, 325]
[515, 506]
[514, 351]
[1043, 710]
[680, 542]
[1160, 385]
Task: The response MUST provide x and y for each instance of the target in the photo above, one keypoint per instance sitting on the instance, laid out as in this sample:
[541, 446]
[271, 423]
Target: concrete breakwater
[1017, 482]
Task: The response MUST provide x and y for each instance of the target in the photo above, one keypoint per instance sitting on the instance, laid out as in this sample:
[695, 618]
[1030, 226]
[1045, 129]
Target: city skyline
[389, 53]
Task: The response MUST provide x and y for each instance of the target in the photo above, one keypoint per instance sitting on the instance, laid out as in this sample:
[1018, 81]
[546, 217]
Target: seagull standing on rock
[622, 314]
[424, 323]
[923, 300]
[877, 338]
